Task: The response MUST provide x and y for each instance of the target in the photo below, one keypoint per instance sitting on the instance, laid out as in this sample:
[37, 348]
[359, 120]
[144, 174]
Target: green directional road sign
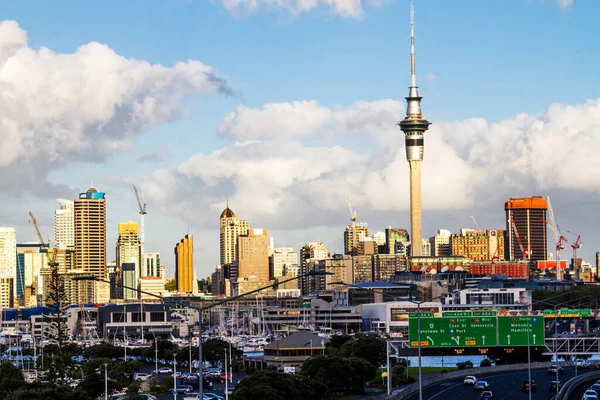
[453, 332]
[512, 331]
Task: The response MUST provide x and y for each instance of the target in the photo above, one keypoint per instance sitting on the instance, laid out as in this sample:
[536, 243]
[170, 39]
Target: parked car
[224, 377]
[555, 386]
[183, 389]
[164, 370]
[469, 380]
[147, 396]
[525, 386]
[213, 396]
[554, 368]
[486, 395]
[192, 396]
[481, 386]
[177, 374]
[141, 376]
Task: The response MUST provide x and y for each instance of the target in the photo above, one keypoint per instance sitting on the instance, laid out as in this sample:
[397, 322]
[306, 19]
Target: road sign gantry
[475, 329]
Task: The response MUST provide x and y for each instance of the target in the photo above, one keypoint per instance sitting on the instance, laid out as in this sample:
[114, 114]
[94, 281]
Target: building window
[138, 317]
[117, 317]
[157, 316]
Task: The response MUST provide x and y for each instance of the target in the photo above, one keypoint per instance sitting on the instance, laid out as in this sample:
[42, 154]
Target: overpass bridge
[561, 346]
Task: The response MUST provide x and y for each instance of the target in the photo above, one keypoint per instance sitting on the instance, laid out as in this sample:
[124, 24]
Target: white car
[590, 395]
[470, 380]
[164, 370]
[141, 376]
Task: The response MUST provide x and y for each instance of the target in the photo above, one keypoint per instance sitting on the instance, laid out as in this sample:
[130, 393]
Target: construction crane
[353, 215]
[475, 222]
[526, 253]
[142, 207]
[37, 229]
[559, 239]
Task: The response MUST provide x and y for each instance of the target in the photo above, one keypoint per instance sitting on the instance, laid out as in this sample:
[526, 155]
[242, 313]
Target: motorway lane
[505, 386]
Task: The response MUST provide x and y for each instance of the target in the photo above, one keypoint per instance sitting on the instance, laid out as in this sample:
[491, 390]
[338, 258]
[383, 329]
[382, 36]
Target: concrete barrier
[429, 380]
[574, 383]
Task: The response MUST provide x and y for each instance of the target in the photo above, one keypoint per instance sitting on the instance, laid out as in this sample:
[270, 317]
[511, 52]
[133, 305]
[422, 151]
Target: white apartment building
[440, 243]
[150, 264]
[64, 226]
[283, 257]
[8, 256]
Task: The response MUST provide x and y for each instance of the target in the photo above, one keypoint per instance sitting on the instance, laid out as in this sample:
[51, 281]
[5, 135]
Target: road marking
[508, 395]
[459, 384]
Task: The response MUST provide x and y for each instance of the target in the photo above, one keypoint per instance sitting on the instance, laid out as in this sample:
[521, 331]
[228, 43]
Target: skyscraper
[90, 232]
[64, 227]
[281, 258]
[150, 264]
[393, 236]
[128, 256]
[230, 228]
[8, 257]
[353, 235]
[253, 255]
[414, 126]
[184, 264]
[529, 217]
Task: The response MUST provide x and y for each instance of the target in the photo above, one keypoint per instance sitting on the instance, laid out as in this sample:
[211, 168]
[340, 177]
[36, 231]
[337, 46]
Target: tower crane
[559, 239]
[52, 262]
[526, 253]
[475, 222]
[142, 207]
[353, 215]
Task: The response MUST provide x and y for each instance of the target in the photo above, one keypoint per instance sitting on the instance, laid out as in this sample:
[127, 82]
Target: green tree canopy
[275, 385]
[213, 350]
[11, 377]
[46, 393]
[339, 375]
[369, 347]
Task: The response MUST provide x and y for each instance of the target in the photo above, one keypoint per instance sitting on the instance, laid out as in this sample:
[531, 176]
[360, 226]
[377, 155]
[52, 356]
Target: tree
[339, 375]
[369, 347]
[47, 393]
[57, 302]
[274, 384]
[170, 285]
[213, 350]
[11, 377]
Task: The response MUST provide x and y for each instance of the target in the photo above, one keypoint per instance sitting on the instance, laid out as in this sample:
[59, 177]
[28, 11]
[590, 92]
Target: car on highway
[481, 386]
[583, 364]
[223, 377]
[469, 380]
[525, 386]
[486, 395]
[595, 387]
[590, 395]
[554, 386]
[163, 370]
[553, 369]
[596, 367]
[141, 376]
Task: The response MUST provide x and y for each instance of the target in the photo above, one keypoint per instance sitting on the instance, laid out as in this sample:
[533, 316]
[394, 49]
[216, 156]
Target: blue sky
[491, 60]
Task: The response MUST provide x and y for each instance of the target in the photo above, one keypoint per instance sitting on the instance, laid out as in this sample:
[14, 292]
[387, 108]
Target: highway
[506, 386]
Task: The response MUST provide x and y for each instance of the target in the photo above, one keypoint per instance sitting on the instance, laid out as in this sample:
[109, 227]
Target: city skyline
[286, 153]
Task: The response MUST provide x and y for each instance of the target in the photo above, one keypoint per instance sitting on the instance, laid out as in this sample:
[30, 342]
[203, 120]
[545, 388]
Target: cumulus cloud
[276, 177]
[564, 4]
[342, 8]
[58, 108]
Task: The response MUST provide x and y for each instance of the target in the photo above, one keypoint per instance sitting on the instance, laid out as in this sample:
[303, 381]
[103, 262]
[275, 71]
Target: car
[525, 386]
[596, 367]
[192, 396]
[555, 386]
[177, 374]
[146, 396]
[164, 370]
[224, 377]
[553, 369]
[487, 395]
[213, 396]
[590, 395]
[183, 389]
[481, 386]
[469, 380]
[595, 387]
[580, 363]
[141, 376]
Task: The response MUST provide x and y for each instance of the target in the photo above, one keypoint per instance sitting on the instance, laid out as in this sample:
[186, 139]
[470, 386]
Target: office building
[440, 243]
[152, 284]
[7, 292]
[598, 264]
[309, 255]
[340, 266]
[367, 247]
[281, 257]
[362, 269]
[184, 265]
[230, 227]
[128, 252]
[8, 258]
[353, 235]
[31, 258]
[90, 239]
[478, 245]
[527, 216]
[150, 264]
[253, 255]
[64, 225]
[396, 240]
[414, 126]
[385, 266]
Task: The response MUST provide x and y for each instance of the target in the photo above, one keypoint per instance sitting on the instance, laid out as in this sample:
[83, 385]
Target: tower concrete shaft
[416, 216]
[414, 127]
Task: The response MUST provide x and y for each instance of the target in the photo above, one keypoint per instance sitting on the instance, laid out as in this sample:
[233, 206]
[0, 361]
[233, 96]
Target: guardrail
[573, 383]
[429, 380]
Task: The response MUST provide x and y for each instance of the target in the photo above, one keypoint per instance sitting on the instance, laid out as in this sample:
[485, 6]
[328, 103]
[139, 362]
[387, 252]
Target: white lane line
[508, 395]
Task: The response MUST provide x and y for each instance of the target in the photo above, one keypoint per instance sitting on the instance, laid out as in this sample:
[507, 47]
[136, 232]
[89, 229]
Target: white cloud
[278, 180]
[342, 8]
[564, 4]
[59, 108]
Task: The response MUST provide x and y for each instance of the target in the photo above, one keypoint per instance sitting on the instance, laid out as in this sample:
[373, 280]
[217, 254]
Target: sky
[284, 107]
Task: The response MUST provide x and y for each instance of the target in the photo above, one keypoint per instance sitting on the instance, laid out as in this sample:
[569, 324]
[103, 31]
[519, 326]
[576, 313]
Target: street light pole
[175, 376]
[529, 356]
[105, 381]
[226, 380]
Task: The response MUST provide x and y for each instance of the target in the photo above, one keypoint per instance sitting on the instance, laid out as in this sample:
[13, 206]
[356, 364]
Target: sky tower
[414, 126]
